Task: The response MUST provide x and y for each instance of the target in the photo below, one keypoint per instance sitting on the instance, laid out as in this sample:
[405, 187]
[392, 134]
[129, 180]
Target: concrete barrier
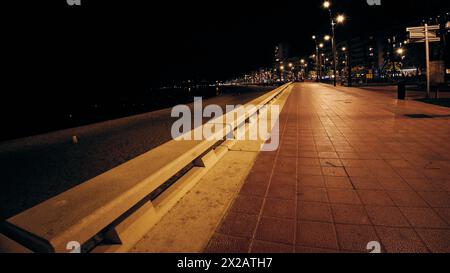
[111, 212]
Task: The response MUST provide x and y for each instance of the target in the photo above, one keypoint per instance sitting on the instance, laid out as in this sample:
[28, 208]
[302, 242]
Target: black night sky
[52, 51]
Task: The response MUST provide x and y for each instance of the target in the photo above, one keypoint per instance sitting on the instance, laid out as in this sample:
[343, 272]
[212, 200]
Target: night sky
[118, 46]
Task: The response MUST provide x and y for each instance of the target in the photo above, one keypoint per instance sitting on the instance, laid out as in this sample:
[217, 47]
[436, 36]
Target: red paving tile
[269, 247]
[423, 218]
[400, 240]
[436, 199]
[314, 211]
[355, 237]
[345, 174]
[247, 204]
[279, 208]
[350, 214]
[374, 197]
[316, 234]
[386, 216]
[338, 182]
[238, 224]
[343, 197]
[276, 230]
[312, 194]
[407, 199]
[436, 239]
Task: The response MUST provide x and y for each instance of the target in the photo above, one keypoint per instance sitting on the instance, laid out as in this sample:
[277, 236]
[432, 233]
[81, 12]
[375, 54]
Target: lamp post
[318, 76]
[339, 19]
[347, 66]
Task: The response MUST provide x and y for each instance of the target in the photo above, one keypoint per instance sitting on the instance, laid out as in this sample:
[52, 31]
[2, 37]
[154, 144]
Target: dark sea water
[37, 113]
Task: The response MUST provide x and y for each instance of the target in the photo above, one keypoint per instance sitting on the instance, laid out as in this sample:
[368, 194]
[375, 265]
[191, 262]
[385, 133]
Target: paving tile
[227, 244]
[334, 171]
[343, 197]
[444, 213]
[355, 163]
[423, 218]
[310, 171]
[255, 189]
[308, 162]
[312, 181]
[400, 240]
[316, 234]
[279, 208]
[238, 224]
[407, 199]
[259, 177]
[399, 164]
[284, 179]
[420, 184]
[282, 191]
[386, 216]
[436, 199]
[312, 194]
[348, 155]
[314, 211]
[437, 240]
[366, 183]
[394, 184]
[315, 250]
[330, 162]
[374, 197]
[328, 155]
[350, 214]
[338, 182]
[270, 247]
[355, 237]
[276, 230]
[358, 172]
[247, 204]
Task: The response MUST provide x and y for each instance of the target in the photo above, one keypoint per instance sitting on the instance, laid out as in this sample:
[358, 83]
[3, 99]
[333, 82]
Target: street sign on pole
[425, 34]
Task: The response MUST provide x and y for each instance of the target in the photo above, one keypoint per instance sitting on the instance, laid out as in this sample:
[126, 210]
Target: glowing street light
[340, 19]
[327, 37]
[344, 48]
[318, 76]
[400, 51]
[321, 45]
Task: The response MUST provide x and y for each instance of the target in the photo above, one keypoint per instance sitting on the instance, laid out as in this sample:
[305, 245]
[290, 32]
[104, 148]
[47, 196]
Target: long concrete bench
[116, 203]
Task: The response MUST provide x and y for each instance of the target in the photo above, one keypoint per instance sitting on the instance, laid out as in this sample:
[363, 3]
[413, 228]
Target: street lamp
[327, 37]
[339, 19]
[347, 65]
[317, 58]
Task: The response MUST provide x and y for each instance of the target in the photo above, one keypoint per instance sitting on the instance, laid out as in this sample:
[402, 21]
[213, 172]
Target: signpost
[425, 34]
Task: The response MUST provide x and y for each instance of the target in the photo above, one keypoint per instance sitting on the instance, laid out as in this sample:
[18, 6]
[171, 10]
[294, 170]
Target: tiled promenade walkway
[351, 169]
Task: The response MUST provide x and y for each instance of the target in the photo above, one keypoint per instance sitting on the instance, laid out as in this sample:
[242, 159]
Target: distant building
[281, 52]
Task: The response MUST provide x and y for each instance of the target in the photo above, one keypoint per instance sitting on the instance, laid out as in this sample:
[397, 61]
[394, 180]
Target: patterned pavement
[352, 168]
